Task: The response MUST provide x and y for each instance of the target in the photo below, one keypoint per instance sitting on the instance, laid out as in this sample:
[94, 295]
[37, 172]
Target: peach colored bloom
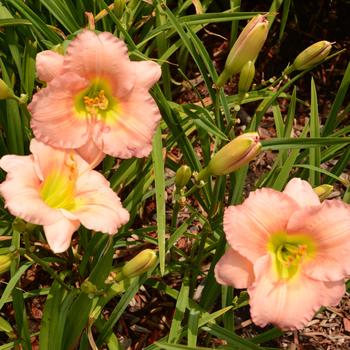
[289, 250]
[57, 189]
[96, 99]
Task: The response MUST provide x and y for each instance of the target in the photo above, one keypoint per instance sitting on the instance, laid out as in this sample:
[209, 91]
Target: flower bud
[138, 265]
[183, 175]
[5, 262]
[246, 77]
[7, 328]
[235, 154]
[5, 91]
[323, 191]
[314, 54]
[88, 287]
[246, 48]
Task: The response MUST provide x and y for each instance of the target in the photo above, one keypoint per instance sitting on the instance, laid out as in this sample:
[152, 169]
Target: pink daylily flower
[96, 100]
[57, 189]
[291, 252]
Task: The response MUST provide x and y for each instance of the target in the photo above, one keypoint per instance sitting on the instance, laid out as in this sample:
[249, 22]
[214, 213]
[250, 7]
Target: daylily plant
[96, 100]
[57, 189]
[289, 250]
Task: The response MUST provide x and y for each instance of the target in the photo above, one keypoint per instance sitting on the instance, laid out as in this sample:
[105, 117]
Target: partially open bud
[246, 48]
[246, 77]
[138, 265]
[235, 154]
[314, 54]
[5, 91]
[323, 191]
[182, 176]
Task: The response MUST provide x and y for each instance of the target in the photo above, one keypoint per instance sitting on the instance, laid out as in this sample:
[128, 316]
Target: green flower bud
[5, 262]
[323, 191]
[88, 287]
[182, 176]
[246, 77]
[235, 154]
[5, 91]
[7, 328]
[59, 48]
[246, 48]
[138, 265]
[314, 54]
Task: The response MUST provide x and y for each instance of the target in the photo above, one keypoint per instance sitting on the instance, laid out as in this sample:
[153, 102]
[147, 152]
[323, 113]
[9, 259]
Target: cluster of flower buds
[246, 48]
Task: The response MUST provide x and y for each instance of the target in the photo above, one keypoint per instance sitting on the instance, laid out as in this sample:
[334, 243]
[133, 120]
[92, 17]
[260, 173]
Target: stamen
[99, 102]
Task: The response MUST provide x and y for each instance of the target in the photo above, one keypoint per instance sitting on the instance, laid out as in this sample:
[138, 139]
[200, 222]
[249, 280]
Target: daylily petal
[59, 234]
[302, 193]
[91, 153]
[20, 191]
[54, 118]
[131, 132]
[99, 208]
[49, 65]
[329, 226]
[333, 293]
[147, 73]
[234, 270]
[47, 158]
[286, 304]
[92, 56]
[248, 226]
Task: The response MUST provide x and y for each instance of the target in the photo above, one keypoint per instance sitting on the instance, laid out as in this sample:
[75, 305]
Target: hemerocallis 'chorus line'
[96, 100]
[289, 250]
[57, 189]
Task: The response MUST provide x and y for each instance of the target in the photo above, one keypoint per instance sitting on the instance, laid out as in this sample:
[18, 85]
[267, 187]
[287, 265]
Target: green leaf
[12, 283]
[158, 165]
[314, 153]
[64, 13]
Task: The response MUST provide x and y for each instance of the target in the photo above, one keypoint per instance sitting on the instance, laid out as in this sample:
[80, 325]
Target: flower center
[289, 252]
[58, 188]
[96, 103]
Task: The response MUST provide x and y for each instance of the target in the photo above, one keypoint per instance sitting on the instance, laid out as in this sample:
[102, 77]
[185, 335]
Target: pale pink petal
[59, 234]
[91, 153]
[286, 304]
[99, 208]
[131, 132]
[234, 270]
[48, 159]
[49, 65]
[21, 191]
[147, 73]
[92, 56]
[302, 192]
[54, 118]
[329, 227]
[249, 226]
[333, 293]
